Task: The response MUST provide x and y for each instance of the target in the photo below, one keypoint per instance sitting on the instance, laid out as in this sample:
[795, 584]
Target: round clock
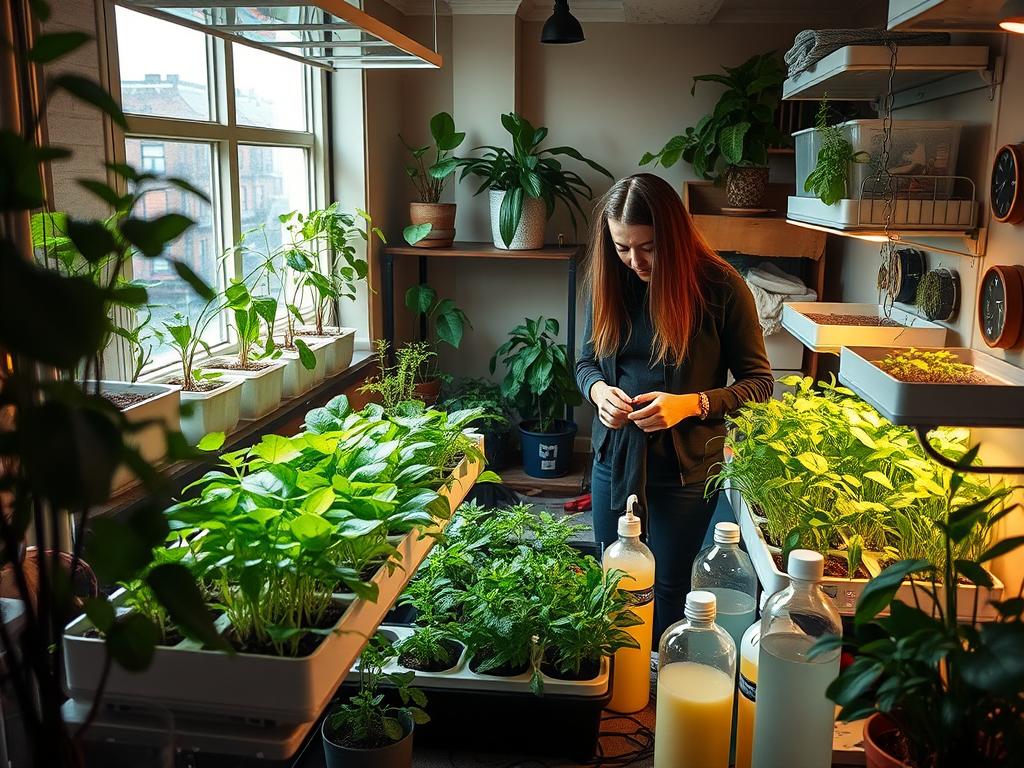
[1006, 197]
[1001, 306]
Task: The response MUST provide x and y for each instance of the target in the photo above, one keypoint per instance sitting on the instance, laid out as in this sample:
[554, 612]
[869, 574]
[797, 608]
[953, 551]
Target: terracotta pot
[745, 187]
[440, 217]
[877, 726]
[428, 391]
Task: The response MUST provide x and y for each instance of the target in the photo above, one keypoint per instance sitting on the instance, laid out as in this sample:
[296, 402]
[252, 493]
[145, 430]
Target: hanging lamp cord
[948, 463]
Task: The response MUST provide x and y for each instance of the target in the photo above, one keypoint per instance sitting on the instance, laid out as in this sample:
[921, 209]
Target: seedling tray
[913, 331]
[999, 404]
[186, 678]
[846, 592]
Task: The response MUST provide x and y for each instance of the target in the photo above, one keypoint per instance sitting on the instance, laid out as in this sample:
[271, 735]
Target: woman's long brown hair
[682, 264]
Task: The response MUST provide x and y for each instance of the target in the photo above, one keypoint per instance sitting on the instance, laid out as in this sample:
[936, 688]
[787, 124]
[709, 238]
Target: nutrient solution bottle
[794, 723]
[746, 695]
[631, 684]
[696, 687]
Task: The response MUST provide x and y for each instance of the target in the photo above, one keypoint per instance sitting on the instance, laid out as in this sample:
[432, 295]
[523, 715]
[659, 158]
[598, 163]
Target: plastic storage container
[919, 148]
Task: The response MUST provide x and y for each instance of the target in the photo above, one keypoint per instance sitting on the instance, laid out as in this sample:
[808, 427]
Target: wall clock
[1006, 197]
[1001, 306]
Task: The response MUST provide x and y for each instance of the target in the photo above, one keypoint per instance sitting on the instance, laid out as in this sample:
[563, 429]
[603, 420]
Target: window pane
[271, 181]
[168, 293]
[163, 68]
[270, 91]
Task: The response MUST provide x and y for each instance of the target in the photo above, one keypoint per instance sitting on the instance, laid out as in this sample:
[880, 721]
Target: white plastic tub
[907, 214]
[297, 378]
[261, 390]
[340, 346]
[215, 411]
[162, 408]
[913, 331]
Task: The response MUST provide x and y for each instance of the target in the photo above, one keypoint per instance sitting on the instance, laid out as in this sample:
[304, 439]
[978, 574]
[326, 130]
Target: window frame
[225, 135]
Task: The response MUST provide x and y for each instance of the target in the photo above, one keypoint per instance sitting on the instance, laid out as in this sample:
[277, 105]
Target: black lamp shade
[562, 27]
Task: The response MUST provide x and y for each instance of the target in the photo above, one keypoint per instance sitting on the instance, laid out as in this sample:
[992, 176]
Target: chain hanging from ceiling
[889, 270]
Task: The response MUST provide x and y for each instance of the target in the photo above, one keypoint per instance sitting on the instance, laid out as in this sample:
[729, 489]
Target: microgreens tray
[910, 331]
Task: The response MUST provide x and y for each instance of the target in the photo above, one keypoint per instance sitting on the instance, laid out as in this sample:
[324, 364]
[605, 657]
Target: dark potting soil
[307, 643]
[835, 567]
[173, 636]
[201, 386]
[841, 319]
[588, 669]
[125, 400]
[453, 650]
[229, 364]
[895, 745]
[313, 332]
[505, 670]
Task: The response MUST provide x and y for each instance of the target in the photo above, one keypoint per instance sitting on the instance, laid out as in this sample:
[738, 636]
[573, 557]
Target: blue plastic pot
[547, 454]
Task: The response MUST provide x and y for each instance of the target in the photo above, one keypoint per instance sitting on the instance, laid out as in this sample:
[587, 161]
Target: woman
[668, 319]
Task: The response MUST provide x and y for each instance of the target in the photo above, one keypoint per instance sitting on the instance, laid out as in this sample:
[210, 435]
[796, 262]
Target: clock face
[993, 306]
[1001, 306]
[1004, 183]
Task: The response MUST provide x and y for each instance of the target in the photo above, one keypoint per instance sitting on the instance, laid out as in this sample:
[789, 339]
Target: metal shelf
[972, 240]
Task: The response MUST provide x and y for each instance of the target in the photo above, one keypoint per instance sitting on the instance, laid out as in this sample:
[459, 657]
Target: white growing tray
[917, 332]
[952, 405]
[850, 214]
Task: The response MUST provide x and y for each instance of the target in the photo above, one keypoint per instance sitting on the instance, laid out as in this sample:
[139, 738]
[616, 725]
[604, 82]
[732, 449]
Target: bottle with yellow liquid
[631, 683]
[746, 695]
[696, 689]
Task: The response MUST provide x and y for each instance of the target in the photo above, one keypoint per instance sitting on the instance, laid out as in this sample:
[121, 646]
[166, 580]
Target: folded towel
[771, 288]
[812, 45]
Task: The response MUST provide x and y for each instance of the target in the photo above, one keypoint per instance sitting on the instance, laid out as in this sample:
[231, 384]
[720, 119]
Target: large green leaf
[416, 232]
[881, 590]
[510, 214]
[132, 641]
[151, 236]
[450, 327]
[92, 93]
[730, 141]
[54, 45]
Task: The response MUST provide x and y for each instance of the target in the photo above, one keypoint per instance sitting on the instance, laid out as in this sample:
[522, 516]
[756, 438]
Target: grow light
[329, 34]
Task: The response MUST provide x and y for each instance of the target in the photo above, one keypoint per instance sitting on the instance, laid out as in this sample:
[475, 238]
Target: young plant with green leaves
[828, 180]
[430, 180]
[446, 323]
[462, 393]
[537, 377]
[184, 335]
[395, 384]
[254, 317]
[928, 365]
[529, 172]
[741, 128]
[429, 649]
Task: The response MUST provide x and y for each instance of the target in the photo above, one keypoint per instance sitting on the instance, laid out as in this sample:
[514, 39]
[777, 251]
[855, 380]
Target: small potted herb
[433, 222]
[496, 423]
[395, 385]
[829, 179]
[446, 323]
[429, 649]
[367, 731]
[539, 382]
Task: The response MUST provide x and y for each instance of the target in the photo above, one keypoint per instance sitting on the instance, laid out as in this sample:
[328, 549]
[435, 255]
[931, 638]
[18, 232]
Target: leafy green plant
[954, 691]
[185, 336]
[366, 721]
[527, 171]
[448, 321]
[395, 384]
[428, 648]
[459, 394]
[740, 129]
[831, 172]
[431, 180]
[537, 378]
[927, 365]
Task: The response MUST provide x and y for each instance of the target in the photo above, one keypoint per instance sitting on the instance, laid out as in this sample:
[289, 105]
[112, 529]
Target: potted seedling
[539, 382]
[495, 424]
[429, 649]
[395, 385]
[525, 184]
[367, 731]
[447, 323]
[829, 179]
[433, 222]
[731, 143]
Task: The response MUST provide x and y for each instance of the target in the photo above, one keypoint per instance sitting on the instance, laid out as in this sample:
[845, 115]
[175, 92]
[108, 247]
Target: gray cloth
[812, 45]
[771, 287]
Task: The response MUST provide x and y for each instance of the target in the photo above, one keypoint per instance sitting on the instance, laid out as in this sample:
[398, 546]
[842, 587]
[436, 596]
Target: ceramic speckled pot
[745, 187]
[530, 232]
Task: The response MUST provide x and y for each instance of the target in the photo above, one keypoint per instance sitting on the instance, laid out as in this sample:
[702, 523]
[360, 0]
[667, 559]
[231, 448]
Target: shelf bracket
[938, 458]
[948, 87]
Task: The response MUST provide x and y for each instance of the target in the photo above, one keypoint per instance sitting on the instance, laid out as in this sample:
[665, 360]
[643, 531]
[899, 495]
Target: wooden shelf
[568, 486]
[945, 15]
[488, 251]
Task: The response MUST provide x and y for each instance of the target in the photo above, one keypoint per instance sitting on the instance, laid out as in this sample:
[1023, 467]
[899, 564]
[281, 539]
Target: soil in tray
[454, 650]
[840, 319]
[934, 377]
[505, 670]
[307, 644]
[312, 332]
[200, 386]
[173, 636]
[588, 669]
[125, 400]
[232, 365]
[835, 567]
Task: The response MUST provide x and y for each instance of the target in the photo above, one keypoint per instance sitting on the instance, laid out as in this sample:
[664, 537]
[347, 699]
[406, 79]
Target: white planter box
[1000, 404]
[298, 379]
[913, 331]
[261, 390]
[340, 343]
[846, 592]
[214, 411]
[952, 215]
[283, 690]
[163, 406]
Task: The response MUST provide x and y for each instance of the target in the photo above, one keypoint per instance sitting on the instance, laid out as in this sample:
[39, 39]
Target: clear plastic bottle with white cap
[725, 570]
[696, 689]
[794, 722]
[631, 683]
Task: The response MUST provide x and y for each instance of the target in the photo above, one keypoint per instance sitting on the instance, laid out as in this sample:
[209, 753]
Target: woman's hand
[664, 411]
[613, 405]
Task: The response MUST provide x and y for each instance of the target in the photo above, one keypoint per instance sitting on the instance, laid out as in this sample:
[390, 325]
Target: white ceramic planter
[185, 678]
[340, 346]
[163, 407]
[261, 390]
[215, 411]
[529, 234]
[913, 331]
[846, 592]
[297, 378]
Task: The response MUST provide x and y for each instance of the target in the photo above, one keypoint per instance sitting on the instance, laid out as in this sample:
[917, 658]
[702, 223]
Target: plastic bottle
[746, 695]
[795, 720]
[725, 570]
[696, 688]
[631, 683]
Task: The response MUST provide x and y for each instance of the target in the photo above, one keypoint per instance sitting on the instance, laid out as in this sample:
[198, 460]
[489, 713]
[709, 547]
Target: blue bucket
[547, 454]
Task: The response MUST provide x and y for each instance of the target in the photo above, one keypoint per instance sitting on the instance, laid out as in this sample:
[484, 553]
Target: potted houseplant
[731, 143]
[524, 184]
[433, 222]
[539, 382]
[448, 324]
[829, 180]
[937, 691]
[496, 422]
[394, 385]
[367, 731]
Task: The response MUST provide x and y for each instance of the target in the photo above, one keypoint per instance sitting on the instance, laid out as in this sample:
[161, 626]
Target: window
[256, 151]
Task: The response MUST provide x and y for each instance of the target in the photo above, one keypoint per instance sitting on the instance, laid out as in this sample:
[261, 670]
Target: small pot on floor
[879, 732]
[395, 755]
[547, 454]
[427, 391]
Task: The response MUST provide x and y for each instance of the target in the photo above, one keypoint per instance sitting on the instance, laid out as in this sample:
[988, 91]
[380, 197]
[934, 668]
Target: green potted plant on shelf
[496, 423]
[367, 731]
[432, 223]
[731, 143]
[937, 691]
[525, 183]
[538, 380]
[829, 180]
[446, 323]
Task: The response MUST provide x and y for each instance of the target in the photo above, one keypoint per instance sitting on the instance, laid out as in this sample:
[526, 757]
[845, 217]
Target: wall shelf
[944, 15]
[861, 72]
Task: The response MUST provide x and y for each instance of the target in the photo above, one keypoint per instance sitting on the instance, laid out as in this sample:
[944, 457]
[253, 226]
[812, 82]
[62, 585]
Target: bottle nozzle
[629, 523]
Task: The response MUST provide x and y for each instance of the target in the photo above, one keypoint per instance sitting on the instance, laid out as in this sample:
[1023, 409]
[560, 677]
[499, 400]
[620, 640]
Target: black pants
[677, 518]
